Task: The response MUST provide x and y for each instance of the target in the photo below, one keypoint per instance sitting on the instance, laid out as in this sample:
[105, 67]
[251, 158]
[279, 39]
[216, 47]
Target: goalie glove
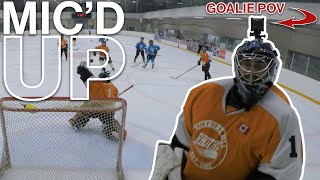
[168, 163]
[175, 174]
[84, 72]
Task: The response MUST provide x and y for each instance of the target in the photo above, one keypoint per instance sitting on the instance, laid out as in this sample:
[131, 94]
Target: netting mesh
[62, 139]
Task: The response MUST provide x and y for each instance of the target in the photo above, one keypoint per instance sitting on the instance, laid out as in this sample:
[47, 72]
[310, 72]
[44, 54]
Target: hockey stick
[137, 64]
[96, 41]
[126, 89]
[183, 73]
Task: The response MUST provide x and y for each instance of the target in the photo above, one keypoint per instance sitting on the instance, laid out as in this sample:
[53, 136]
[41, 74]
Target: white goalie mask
[256, 66]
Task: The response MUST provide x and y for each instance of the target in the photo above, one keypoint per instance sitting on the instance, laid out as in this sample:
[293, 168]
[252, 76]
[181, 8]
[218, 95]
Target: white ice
[153, 102]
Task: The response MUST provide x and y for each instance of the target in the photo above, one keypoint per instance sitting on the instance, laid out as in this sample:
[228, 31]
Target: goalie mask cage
[40, 143]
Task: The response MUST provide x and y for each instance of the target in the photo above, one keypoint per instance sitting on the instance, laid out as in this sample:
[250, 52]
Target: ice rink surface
[153, 102]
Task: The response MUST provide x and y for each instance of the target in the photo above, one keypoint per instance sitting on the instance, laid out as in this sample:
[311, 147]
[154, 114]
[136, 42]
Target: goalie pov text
[28, 20]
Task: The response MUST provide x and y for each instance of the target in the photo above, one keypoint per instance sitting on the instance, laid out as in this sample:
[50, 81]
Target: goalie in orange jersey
[98, 89]
[238, 128]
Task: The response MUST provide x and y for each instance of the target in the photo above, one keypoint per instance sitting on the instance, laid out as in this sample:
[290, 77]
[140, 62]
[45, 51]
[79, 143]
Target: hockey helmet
[104, 73]
[102, 40]
[256, 67]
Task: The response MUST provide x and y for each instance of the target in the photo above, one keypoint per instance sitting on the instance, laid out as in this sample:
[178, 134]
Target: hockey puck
[91, 60]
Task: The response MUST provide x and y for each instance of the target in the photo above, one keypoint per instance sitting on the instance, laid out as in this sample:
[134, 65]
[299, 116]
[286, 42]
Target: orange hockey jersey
[103, 48]
[229, 144]
[204, 57]
[63, 43]
[98, 89]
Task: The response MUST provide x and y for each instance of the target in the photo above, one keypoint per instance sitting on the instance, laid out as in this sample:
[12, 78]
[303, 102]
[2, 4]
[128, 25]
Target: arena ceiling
[132, 6]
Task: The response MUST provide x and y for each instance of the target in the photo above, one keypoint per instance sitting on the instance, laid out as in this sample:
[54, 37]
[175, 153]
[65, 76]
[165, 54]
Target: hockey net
[40, 143]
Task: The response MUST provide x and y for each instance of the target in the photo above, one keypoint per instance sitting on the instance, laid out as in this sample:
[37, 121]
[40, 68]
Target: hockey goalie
[98, 89]
[239, 128]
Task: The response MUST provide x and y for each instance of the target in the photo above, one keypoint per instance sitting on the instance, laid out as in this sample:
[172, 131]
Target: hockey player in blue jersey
[151, 51]
[140, 46]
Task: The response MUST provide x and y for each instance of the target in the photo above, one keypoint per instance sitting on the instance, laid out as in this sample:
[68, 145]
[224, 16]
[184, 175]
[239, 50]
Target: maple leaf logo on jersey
[244, 128]
[210, 145]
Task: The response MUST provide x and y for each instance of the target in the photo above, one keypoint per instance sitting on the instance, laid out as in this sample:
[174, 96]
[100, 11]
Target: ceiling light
[160, 18]
[198, 17]
[234, 18]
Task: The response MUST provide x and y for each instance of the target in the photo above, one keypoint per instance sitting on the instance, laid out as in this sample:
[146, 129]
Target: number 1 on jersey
[293, 153]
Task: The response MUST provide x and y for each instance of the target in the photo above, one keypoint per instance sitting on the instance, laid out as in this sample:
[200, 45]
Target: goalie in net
[98, 89]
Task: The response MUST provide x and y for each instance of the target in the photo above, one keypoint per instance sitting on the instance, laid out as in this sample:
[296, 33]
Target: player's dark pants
[206, 69]
[200, 47]
[107, 119]
[137, 54]
[65, 50]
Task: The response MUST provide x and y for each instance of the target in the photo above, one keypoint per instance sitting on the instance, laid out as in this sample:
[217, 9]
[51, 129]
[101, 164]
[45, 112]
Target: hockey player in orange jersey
[102, 56]
[64, 47]
[239, 128]
[205, 61]
[98, 89]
